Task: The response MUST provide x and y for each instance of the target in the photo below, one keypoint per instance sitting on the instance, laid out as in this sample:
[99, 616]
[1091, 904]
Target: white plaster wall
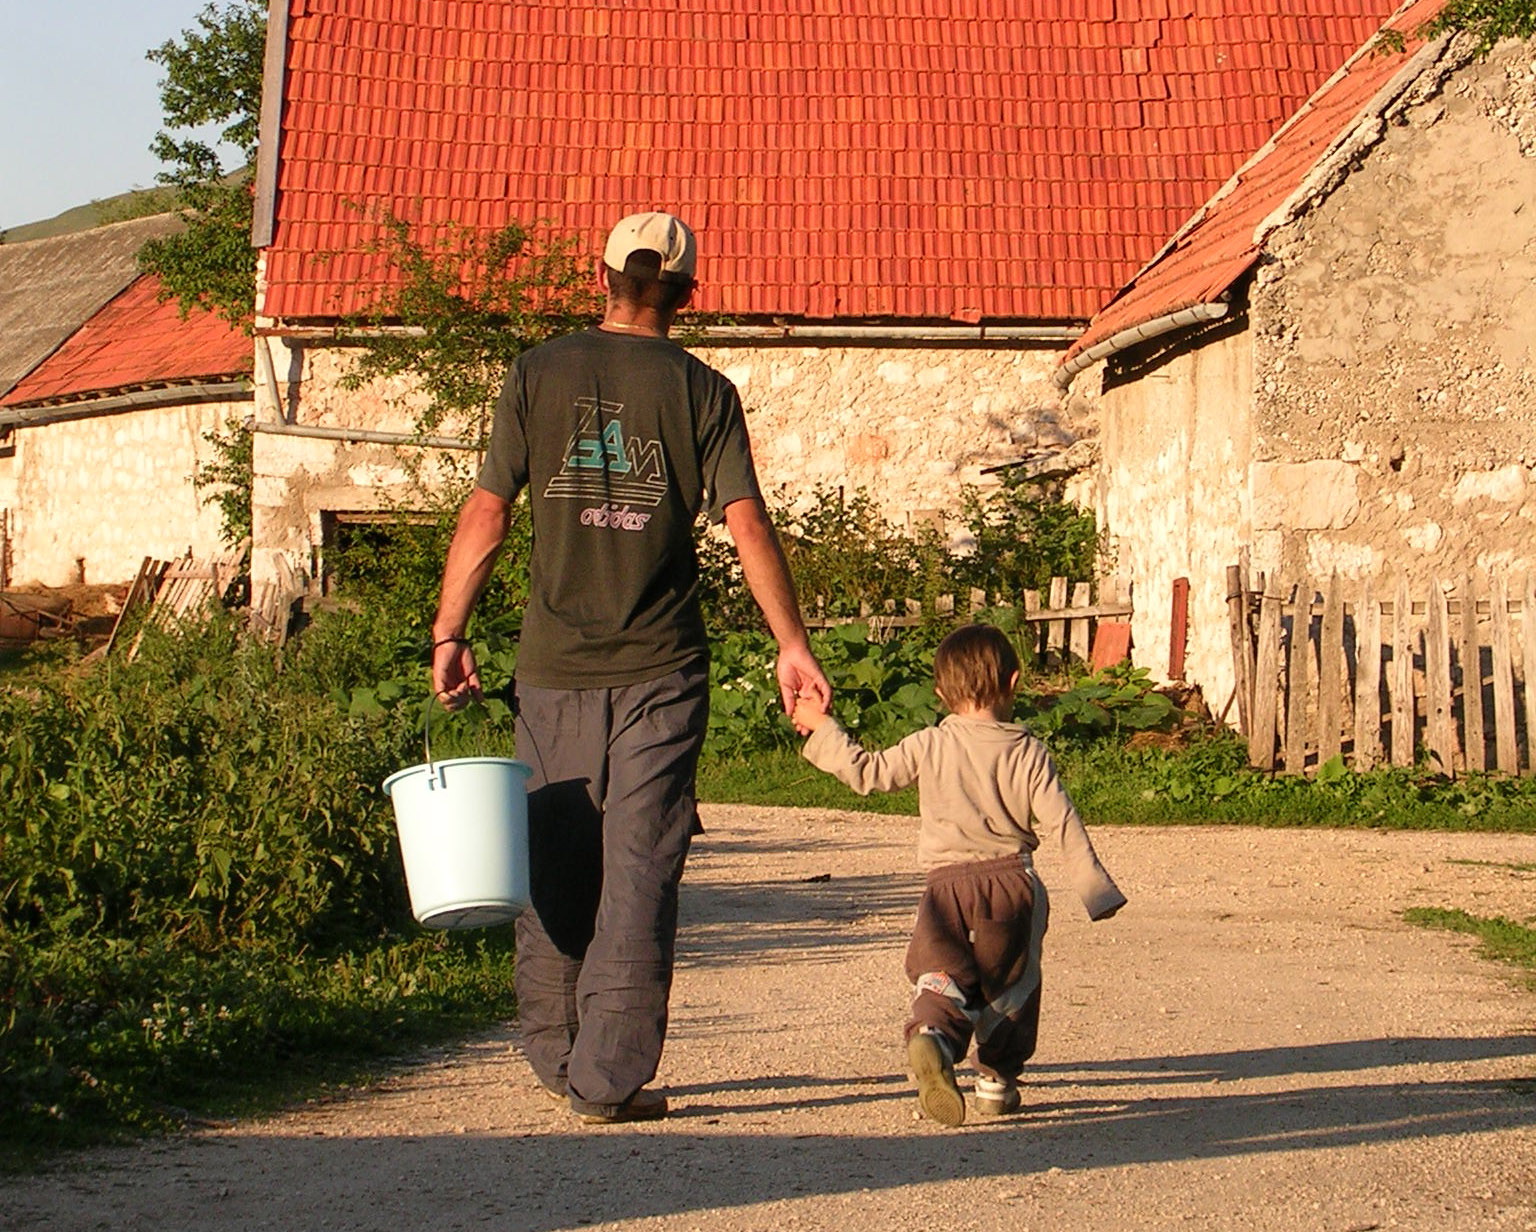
[1172, 490]
[913, 426]
[111, 490]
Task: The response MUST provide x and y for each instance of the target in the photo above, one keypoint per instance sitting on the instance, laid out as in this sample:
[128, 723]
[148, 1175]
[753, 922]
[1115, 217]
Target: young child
[987, 794]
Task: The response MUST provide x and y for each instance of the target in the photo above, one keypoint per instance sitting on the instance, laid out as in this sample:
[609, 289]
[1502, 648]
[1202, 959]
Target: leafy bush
[843, 555]
[883, 690]
[197, 864]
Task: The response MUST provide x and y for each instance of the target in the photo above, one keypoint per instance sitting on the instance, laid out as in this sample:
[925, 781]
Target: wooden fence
[174, 591]
[1069, 623]
[1376, 675]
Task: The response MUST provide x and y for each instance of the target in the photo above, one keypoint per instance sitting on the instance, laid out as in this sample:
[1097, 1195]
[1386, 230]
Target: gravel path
[1257, 1042]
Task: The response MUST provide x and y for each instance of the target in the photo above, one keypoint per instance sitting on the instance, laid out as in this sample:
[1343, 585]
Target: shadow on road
[541, 1181]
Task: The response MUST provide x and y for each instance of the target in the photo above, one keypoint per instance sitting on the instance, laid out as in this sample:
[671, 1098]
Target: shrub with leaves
[198, 869]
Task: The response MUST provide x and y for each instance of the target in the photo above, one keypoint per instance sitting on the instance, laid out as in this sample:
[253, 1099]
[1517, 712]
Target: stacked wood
[177, 592]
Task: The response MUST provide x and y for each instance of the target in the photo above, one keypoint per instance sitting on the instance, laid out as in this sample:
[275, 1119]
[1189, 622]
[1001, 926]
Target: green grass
[103, 1046]
[783, 777]
[1206, 784]
[1499, 940]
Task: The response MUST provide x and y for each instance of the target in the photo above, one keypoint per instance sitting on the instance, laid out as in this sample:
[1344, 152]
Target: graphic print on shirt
[602, 465]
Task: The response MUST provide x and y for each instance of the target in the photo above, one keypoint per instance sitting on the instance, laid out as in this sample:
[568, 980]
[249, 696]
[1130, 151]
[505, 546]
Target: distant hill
[139, 203]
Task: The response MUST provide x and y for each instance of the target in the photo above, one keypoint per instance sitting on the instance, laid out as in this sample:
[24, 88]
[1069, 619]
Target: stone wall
[912, 425]
[1377, 417]
[90, 498]
[1395, 407]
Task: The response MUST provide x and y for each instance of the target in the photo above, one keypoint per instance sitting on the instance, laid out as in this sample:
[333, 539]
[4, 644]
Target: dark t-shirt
[620, 440]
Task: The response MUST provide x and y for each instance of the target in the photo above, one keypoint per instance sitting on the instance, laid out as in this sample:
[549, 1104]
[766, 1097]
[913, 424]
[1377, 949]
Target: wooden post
[1035, 632]
[1528, 667]
[1506, 751]
[1242, 647]
[1077, 636]
[1298, 687]
[1367, 679]
[1266, 674]
[1056, 630]
[1472, 679]
[1178, 629]
[1440, 724]
[1403, 718]
[1330, 674]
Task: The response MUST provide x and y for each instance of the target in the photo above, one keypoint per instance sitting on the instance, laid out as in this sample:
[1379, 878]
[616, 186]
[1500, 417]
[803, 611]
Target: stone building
[1332, 367]
[102, 439]
[905, 220]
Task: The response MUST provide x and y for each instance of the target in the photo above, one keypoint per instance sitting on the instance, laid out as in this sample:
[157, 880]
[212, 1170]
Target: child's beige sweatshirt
[984, 790]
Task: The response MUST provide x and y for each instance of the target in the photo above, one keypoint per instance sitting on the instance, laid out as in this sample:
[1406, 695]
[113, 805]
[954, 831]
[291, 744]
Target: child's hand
[808, 715]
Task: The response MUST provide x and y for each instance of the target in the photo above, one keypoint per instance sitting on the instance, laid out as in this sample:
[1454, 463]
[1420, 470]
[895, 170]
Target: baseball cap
[638, 242]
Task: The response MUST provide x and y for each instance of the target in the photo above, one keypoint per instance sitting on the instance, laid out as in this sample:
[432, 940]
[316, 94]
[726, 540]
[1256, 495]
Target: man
[620, 437]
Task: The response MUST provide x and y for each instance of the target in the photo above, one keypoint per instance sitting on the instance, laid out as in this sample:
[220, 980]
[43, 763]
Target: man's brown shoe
[643, 1105]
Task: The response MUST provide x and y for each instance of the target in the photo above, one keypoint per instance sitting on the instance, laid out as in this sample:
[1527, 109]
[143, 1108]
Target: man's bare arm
[477, 542]
[767, 575]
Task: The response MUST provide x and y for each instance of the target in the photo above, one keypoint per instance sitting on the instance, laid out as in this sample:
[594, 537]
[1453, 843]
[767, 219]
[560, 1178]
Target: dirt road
[1257, 1042]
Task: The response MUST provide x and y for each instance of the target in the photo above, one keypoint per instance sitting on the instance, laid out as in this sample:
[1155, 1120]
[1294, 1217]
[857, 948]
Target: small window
[7, 442]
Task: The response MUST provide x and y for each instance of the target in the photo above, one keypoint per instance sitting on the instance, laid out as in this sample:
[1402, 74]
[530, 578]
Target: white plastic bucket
[463, 826]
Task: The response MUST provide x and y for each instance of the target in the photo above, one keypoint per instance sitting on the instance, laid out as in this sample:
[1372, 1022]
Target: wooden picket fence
[1376, 675]
[1069, 623]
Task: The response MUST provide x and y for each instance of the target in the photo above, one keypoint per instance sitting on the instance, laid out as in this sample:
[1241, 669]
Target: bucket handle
[426, 729]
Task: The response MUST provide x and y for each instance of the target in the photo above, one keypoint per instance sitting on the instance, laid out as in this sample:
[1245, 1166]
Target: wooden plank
[1440, 723]
[1471, 655]
[1031, 601]
[1506, 750]
[1367, 679]
[1298, 679]
[1242, 647]
[1178, 629]
[1330, 674]
[1056, 630]
[1403, 710]
[1528, 668]
[1077, 630]
[1266, 681]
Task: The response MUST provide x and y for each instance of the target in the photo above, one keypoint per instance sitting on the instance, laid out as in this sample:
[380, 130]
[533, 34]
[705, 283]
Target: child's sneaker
[994, 1097]
[937, 1094]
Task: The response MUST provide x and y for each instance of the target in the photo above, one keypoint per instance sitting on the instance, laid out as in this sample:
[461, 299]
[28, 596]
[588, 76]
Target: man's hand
[455, 678]
[801, 680]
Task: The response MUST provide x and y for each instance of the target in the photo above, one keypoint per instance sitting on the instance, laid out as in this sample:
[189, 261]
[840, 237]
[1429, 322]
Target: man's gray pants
[610, 817]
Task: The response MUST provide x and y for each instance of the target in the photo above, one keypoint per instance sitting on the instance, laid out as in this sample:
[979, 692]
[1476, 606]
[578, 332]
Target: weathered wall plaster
[1395, 345]
[912, 426]
[1378, 417]
[1172, 490]
[93, 497]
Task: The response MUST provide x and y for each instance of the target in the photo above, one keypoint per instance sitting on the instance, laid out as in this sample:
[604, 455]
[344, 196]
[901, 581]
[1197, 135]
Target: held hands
[809, 713]
[802, 683]
[455, 677]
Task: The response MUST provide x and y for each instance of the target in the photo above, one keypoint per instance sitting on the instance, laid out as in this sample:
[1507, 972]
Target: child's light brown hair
[975, 666]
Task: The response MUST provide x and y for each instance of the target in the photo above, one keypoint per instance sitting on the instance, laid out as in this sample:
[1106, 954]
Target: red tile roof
[135, 340]
[1223, 241]
[917, 159]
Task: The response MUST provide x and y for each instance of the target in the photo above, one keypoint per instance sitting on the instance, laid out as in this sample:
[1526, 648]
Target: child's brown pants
[974, 961]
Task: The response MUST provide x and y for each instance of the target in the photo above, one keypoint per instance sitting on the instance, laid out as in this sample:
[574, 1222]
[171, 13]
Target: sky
[79, 103]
